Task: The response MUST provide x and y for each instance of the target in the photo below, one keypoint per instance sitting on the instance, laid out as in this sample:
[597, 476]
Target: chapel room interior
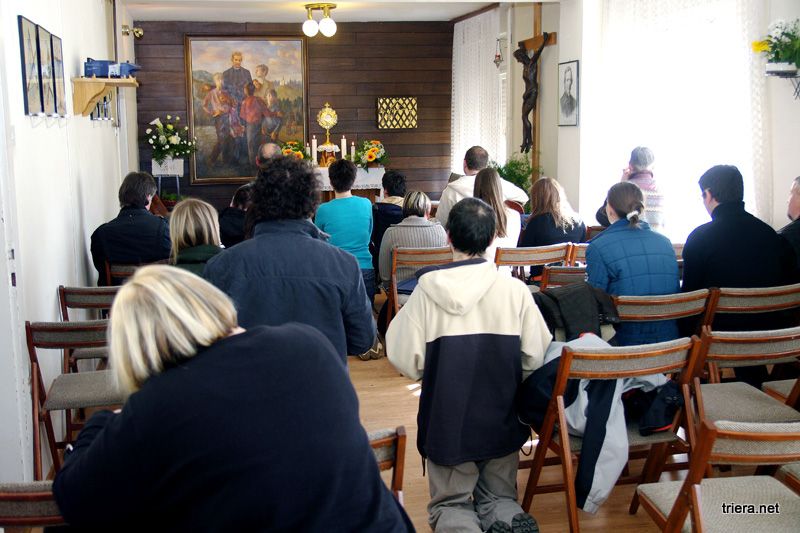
[678, 76]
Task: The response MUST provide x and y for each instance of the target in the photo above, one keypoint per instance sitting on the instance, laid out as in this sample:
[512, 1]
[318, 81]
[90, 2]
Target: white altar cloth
[365, 179]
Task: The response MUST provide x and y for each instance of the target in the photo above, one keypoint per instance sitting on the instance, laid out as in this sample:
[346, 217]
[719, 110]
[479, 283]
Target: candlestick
[344, 146]
[353, 151]
[314, 148]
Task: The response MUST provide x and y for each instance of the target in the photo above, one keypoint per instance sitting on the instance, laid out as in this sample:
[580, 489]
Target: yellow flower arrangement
[294, 148]
[371, 151]
[782, 44]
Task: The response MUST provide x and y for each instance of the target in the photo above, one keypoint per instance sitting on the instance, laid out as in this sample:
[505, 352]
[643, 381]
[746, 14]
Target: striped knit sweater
[412, 232]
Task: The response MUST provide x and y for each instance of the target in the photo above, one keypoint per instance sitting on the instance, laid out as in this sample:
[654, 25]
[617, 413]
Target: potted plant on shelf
[170, 143]
[518, 170]
[371, 154]
[782, 47]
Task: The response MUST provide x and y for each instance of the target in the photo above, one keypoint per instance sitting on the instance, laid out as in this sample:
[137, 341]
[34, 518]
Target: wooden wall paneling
[361, 62]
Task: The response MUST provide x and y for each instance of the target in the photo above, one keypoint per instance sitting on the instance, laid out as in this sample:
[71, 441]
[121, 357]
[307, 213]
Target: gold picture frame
[397, 112]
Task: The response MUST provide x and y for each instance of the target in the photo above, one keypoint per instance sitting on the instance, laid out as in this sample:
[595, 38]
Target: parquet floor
[387, 399]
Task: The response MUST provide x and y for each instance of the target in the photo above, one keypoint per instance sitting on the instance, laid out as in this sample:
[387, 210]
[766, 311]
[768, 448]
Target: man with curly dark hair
[287, 272]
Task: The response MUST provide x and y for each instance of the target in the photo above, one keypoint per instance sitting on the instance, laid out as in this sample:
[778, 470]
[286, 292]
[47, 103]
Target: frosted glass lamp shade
[327, 27]
[311, 28]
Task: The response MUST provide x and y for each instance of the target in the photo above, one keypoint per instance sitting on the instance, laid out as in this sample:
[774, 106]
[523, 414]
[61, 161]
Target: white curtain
[679, 76]
[476, 104]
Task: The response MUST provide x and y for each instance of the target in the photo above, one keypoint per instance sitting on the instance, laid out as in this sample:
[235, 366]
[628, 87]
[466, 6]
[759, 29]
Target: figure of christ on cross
[530, 74]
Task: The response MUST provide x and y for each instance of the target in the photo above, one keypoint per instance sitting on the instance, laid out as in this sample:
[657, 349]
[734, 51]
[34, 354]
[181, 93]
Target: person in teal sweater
[348, 220]
[194, 232]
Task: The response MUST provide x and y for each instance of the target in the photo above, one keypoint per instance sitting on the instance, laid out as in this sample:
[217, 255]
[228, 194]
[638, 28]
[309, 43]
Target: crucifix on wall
[528, 54]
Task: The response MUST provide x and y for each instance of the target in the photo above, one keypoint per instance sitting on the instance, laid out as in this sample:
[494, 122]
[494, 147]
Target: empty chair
[593, 231]
[68, 392]
[696, 503]
[117, 273]
[606, 363]
[28, 504]
[389, 446]
[414, 258]
[662, 307]
[577, 254]
[518, 258]
[93, 298]
[558, 276]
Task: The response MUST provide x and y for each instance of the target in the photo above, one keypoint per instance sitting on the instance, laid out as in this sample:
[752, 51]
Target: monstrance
[327, 118]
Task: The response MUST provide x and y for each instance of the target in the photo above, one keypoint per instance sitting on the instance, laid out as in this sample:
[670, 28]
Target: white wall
[784, 124]
[64, 173]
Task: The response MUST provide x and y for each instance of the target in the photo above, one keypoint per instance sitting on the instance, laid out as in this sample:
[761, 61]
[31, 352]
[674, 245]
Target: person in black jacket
[387, 212]
[791, 231]
[135, 236]
[225, 429]
[231, 219]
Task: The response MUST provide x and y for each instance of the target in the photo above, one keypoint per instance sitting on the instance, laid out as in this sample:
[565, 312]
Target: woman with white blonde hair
[224, 429]
[194, 233]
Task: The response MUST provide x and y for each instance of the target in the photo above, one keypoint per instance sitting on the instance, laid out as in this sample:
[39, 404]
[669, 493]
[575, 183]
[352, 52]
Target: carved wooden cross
[537, 43]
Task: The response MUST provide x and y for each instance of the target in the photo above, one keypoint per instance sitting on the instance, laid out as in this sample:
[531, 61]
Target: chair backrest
[751, 300]
[389, 446]
[592, 232]
[749, 348]
[558, 276]
[99, 298]
[577, 253]
[678, 247]
[64, 336]
[28, 504]
[515, 206]
[531, 256]
[661, 307]
[117, 273]
[415, 258]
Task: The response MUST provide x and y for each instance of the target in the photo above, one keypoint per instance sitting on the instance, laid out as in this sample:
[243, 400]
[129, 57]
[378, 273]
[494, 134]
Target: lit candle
[344, 146]
[314, 148]
[353, 151]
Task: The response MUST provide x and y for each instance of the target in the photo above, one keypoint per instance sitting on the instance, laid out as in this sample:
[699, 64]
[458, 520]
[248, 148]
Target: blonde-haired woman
[488, 188]
[194, 232]
[221, 430]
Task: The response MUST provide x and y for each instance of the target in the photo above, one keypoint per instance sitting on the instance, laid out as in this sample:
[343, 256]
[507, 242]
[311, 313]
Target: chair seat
[782, 387]
[790, 470]
[751, 490]
[100, 352]
[84, 389]
[740, 402]
[634, 438]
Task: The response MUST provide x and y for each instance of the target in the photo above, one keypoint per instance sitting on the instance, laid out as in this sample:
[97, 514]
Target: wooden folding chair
[558, 276]
[118, 273]
[389, 446]
[785, 390]
[696, 504]
[751, 300]
[411, 260]
[676, 356]
[519, 258]
[28, 504]
[95, 298]
[68, 392]
[592, 232]
[661, 307]
[577, 254]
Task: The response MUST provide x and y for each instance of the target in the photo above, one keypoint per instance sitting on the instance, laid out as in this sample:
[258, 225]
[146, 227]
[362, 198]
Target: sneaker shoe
[499, 527]
[524, 523]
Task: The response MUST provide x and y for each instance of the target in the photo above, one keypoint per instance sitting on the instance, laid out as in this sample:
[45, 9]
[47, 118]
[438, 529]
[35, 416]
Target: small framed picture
[46, 68]
[58, 77]
[569, 95]
[31, 87]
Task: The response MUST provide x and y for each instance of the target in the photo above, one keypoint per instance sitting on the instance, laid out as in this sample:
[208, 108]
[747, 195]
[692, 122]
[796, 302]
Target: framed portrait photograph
[242, 91]
[58, 76]
[46, 68]
[29, 55]
[569, 99]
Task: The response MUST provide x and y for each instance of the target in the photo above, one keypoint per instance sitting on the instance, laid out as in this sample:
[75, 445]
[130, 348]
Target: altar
[367, 184]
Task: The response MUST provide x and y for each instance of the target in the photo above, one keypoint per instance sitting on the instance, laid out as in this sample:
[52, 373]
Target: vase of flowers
[170, 143]
[296, 149]
[371, 154]
[782, 47]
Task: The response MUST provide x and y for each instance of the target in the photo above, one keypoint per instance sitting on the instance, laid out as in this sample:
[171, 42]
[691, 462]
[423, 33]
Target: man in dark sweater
[135, 236]
[735, 249]
[791, 232]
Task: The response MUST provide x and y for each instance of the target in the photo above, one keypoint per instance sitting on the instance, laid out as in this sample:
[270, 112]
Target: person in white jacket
[475, 160]
[472, 335]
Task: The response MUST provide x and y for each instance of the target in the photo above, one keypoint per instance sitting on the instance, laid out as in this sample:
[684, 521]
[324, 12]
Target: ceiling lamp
[326, 26]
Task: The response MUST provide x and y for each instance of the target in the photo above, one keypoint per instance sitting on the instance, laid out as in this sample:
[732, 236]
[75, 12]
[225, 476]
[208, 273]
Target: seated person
[268, 453]
[552, 219]
[387, 212]
[791, 231]
[348, 220]
[630, 259]
[135, 236]
[194, 231]
[286, 271]
[231, 220]
[508, 224]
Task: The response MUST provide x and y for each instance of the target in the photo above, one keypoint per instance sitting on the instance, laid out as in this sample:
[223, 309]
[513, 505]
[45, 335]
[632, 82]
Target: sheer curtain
[476, 105]
[678, 76]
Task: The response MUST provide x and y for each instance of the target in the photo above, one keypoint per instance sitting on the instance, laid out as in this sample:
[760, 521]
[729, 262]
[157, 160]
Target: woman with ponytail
[629, 259]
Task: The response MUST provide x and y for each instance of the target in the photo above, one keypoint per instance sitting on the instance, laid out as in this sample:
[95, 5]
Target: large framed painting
[31, 88]
[242, 92]
[568, 102]
[46, 67]
[58, 77]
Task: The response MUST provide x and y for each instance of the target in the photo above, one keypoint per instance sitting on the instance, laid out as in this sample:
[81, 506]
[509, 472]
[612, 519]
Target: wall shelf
[86, 92]
[794, 77]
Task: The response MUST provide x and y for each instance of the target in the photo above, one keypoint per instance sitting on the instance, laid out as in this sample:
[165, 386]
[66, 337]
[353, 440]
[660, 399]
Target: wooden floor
[387, 399]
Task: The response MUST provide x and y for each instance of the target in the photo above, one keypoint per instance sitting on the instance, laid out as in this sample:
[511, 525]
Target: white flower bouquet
[168, 139]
